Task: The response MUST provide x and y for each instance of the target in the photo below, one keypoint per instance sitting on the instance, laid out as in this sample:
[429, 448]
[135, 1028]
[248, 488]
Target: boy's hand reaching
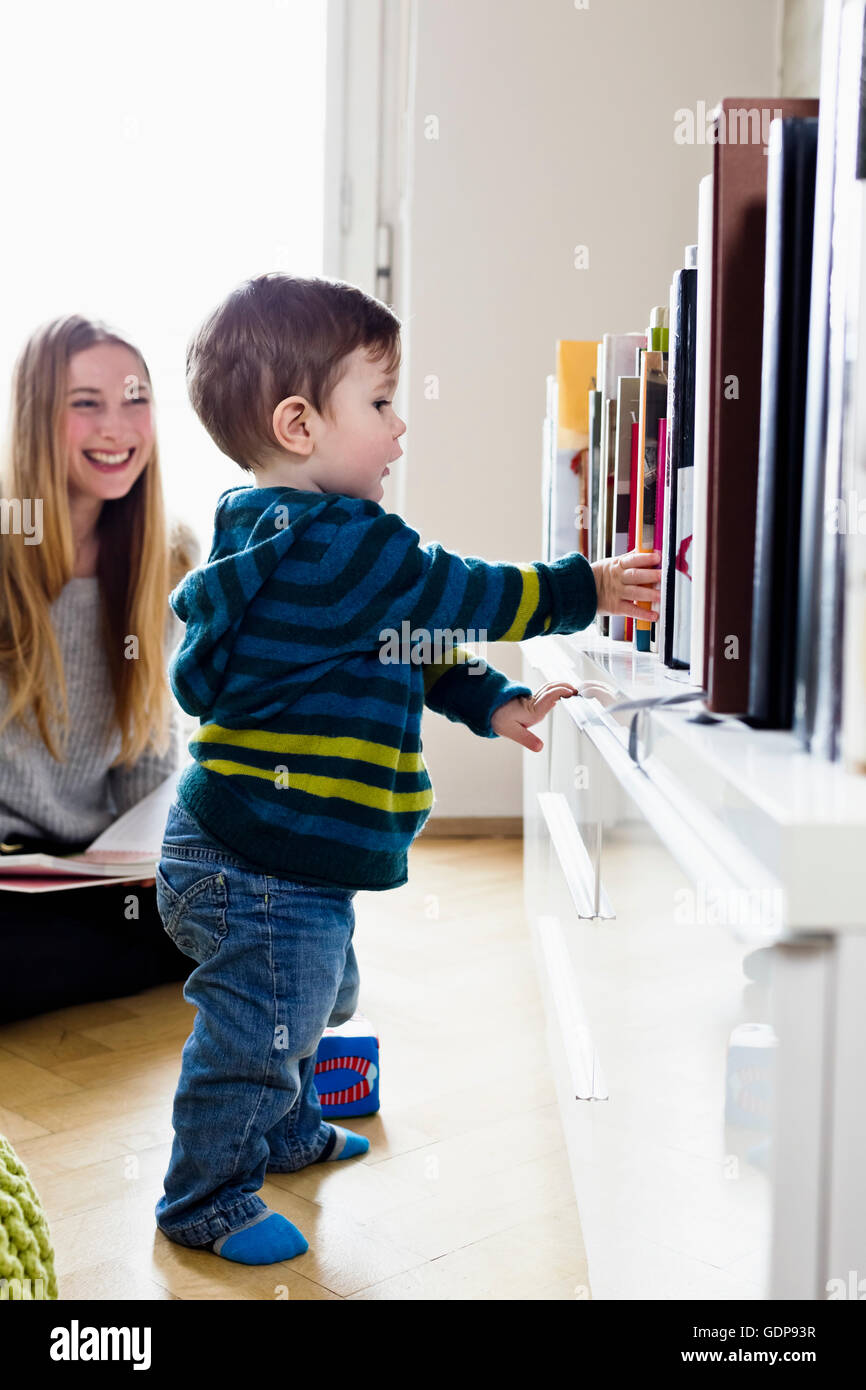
[622, 583]
[512, 720]
[627, 580]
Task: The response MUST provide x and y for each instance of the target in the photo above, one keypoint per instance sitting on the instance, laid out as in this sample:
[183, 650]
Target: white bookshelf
[651, 882]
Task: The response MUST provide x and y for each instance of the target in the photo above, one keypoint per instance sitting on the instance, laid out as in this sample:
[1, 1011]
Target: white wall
[556, 127]
[801, 47]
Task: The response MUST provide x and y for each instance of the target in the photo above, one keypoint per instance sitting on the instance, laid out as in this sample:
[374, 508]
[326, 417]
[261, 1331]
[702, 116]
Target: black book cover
[787, 287]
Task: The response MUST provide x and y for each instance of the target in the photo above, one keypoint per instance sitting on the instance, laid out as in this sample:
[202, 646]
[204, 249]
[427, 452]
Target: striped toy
[347, 1069]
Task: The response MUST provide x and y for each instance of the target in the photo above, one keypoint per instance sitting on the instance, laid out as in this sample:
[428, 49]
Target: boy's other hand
[625, 581]
[512, 720]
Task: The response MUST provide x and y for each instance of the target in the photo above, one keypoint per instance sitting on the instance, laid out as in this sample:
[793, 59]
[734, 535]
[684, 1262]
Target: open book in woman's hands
[126, 852]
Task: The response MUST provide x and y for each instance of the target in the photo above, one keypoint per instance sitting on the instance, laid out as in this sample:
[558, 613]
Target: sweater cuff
[470, 696]
[510, 691]
[571, 594]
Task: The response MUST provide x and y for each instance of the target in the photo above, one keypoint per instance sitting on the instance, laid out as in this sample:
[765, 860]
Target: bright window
[153, 156]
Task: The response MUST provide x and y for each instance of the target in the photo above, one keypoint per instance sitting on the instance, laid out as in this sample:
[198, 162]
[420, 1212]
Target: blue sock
[266, 1240]
[343, 1143]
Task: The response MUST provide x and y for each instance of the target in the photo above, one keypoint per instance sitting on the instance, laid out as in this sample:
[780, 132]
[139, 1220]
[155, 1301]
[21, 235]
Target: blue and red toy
[347, 1069]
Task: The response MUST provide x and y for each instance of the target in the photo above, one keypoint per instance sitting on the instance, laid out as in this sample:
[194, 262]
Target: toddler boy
[316, 633]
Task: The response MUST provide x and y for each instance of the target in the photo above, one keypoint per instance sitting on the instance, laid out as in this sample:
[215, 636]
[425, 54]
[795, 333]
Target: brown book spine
[741, 131]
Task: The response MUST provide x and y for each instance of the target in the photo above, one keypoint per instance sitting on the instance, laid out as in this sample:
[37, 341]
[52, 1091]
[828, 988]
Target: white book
[615, 359]
[627, 408]
[842, 468]
[851, 503]
[563, 490]
[126, 851]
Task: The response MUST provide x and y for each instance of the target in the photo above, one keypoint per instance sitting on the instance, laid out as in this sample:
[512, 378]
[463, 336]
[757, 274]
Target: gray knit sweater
[73, 801]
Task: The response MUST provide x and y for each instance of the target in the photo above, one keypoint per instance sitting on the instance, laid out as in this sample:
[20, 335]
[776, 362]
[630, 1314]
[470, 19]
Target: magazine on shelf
[627, 403]
[571, 464]
[616, 356]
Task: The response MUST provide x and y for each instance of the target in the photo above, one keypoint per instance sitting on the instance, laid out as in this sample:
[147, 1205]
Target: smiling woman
[109, 432]
[87, 724]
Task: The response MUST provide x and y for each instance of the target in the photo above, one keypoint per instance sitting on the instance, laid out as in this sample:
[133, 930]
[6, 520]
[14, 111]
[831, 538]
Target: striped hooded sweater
[316, 633]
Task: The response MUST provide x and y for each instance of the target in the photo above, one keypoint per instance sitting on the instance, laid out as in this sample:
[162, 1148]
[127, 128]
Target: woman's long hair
[137, 565]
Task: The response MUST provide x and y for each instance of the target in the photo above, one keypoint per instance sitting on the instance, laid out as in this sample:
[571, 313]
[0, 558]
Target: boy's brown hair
[275, 336]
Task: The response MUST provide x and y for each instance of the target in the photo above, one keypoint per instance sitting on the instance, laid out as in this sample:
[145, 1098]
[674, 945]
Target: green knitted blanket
[26, 1252]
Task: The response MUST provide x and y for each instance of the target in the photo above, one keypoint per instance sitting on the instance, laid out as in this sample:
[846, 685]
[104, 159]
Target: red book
[632, 508]
[661, 473]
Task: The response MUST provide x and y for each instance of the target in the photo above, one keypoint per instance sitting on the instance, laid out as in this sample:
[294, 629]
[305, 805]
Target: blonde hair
[137, 564]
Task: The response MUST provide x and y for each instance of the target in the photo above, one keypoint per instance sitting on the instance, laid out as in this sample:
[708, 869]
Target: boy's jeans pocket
[192, 904]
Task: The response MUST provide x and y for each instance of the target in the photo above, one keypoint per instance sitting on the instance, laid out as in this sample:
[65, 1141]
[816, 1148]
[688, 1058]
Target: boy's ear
[290, 423]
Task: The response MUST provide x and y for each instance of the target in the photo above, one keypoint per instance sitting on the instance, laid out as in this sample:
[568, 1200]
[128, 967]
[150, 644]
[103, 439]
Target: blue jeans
[276, 966]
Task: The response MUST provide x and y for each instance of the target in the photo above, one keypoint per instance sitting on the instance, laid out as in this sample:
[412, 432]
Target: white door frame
[369, 101]
[368, 77]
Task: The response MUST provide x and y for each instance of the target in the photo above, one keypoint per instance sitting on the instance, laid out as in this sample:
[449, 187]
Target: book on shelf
[657, 337]
[675, 608]
[125, 852]
[841, 510]
[792, 151]
[594, 406]
[663, 519]
[661, 469]
[700, 450]
[736, 327]
[681, 561]
[658, 333]
[653, 405]
[852, 741]
[661, 502]
[627, 404]
[616, 355]
[608, 457]
[816, 422]
[568, 405]
[632, 502]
